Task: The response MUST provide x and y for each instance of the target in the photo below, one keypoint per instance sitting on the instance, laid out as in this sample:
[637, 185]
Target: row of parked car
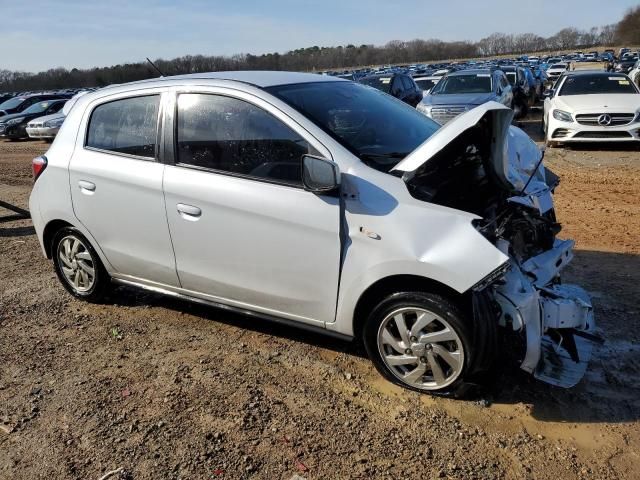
[585, 105]
[439, 90]
[36, 115]
[444, 95]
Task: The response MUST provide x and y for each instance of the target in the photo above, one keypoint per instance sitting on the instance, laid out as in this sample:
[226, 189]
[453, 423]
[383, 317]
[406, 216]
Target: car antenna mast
[154, 66]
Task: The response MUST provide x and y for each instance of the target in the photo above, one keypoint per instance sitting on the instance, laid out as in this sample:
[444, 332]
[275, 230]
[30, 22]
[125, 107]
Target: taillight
[38, 165]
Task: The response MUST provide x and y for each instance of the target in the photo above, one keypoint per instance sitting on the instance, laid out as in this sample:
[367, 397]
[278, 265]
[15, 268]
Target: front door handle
[87, 187]
[188, 212]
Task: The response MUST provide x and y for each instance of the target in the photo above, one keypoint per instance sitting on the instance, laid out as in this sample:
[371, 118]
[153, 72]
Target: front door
[244, 230]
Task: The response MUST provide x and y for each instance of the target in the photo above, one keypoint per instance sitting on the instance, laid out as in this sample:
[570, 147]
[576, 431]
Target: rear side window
[407, 83]
[126, 126]
[230, 135]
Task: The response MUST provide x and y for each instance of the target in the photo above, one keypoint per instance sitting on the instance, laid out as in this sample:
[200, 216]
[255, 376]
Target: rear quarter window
[127, 126]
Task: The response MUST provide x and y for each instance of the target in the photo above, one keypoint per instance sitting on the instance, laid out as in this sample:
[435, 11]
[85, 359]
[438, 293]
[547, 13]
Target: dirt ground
[167, 389]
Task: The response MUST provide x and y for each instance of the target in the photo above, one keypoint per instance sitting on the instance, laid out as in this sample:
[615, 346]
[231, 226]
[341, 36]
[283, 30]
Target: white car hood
[514, 155]
[618, 102]
[46, 118]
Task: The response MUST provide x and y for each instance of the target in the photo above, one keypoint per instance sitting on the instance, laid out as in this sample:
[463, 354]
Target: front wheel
[78, 266]
[420, 341]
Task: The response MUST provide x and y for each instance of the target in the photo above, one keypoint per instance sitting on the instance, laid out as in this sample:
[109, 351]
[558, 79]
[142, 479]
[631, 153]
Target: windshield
[475, 83]
[377, 128]
[424, 83]
[381, 83]
[37, 107]
[12, 103]
[511, 76]
[593, 84]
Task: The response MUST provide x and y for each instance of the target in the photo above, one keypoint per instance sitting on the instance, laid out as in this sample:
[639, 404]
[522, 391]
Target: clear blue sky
[39, 34]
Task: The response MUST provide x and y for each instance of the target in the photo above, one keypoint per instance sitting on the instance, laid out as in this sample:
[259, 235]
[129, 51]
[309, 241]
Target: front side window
[126, 126]
[233, 136]
[406, 82]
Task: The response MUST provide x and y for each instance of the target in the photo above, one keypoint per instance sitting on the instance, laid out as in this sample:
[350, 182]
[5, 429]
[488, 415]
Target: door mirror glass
[319, 175]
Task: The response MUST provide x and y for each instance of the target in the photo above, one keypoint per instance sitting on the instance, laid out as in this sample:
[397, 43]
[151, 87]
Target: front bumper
[566, 132]
[12, 131]
[42, 132]
[557, 319]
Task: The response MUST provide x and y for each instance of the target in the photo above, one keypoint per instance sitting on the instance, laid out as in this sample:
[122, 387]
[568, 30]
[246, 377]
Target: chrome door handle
[188, 212]
[87, 187]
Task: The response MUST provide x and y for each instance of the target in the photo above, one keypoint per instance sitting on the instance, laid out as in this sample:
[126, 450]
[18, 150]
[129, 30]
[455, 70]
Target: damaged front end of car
[479, 163]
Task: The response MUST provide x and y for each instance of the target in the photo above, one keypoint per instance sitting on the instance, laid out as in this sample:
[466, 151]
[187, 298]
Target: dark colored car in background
[22, 102]
[522, 92]
[626, 63]
[398, 85]
[14, 126]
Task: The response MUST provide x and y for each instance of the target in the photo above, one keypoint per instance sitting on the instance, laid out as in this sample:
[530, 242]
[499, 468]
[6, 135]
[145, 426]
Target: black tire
[101, 286]
[442, 307]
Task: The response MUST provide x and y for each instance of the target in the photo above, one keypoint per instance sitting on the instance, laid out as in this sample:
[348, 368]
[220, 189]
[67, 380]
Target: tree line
[315, 58]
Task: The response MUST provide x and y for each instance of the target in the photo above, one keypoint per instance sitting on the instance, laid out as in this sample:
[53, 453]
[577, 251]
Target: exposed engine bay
[496, 172]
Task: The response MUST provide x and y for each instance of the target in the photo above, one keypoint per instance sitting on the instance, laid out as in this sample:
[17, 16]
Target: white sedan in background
[557, 69]
[592, 106]
[426, 82]
[47, 127]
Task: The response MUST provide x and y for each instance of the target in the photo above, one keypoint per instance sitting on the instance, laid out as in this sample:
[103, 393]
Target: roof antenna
[156, 68]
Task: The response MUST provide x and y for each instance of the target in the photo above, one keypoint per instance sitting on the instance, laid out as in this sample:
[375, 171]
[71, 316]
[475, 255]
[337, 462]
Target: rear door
[116, 186]
[244, 231]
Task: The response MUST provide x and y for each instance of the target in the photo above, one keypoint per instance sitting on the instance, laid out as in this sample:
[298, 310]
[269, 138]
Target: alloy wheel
[420, 348]
[76, 264]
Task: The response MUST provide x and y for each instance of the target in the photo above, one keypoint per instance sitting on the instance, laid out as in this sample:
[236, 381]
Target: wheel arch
[49, 231]
[383, 287]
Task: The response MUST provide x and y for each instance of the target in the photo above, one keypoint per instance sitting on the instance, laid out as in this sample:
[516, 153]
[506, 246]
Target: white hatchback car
[322, 203]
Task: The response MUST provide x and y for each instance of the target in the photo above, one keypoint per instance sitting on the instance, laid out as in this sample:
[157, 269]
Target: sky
[40, 34]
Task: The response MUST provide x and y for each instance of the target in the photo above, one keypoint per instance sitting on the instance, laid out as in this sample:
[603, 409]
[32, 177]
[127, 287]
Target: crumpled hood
[457, 99]
[514, 156]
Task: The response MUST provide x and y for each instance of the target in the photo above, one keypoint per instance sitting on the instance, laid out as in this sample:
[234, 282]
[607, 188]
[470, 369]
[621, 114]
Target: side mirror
[548, 93]
[319, 175]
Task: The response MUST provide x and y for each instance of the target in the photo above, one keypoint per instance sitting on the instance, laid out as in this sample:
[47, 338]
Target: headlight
[562, 116]
[13, 121]
[424, 109]
[54, 123]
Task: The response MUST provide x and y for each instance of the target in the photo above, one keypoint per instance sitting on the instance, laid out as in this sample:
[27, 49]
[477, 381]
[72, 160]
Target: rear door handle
[188, 212]
[87, 187]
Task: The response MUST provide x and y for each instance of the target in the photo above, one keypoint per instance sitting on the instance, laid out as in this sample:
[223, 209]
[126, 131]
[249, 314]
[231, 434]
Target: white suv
[322, 203]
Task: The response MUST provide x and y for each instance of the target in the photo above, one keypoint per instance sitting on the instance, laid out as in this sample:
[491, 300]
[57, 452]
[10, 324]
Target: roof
[258, 78]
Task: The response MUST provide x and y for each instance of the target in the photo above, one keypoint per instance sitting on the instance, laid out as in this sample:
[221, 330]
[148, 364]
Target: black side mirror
[319, 175]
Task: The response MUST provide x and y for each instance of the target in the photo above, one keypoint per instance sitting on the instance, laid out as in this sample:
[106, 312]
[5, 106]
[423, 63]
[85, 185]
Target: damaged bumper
[557, 319]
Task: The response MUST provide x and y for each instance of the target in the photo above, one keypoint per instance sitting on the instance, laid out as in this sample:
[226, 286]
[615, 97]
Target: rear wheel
[78, 266]
[420, 341]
